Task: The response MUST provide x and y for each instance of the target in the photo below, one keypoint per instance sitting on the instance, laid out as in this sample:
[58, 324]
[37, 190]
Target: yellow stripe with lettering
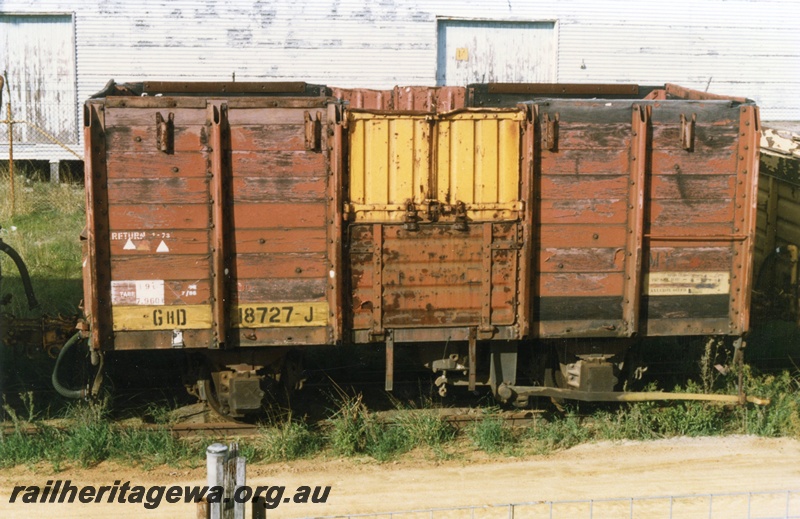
[180, 317]
[198, 317]
[279, 315]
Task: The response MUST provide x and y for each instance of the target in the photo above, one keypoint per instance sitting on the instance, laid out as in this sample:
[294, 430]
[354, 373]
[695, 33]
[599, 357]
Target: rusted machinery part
[208, 390]
[62, 390]
[508, 392]
[98, 359]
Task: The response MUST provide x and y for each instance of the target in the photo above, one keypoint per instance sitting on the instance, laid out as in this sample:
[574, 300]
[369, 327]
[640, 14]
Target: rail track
[458, 417]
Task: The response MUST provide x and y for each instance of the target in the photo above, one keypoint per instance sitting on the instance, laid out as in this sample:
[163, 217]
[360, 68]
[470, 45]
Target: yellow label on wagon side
[178, 317]
[687, 283]
[279, 315]
[198, 317]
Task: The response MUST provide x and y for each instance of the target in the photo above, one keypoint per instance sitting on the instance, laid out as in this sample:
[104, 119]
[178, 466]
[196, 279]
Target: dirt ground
[676, 466]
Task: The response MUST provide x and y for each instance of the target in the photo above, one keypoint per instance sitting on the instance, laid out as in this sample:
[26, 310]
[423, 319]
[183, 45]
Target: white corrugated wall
[740, 47]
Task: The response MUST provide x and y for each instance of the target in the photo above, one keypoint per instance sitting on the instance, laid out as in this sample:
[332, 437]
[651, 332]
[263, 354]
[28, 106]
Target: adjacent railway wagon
[777, 257]
[482, 225]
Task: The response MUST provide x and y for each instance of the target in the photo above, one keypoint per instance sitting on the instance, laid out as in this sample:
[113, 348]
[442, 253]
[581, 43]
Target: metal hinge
[165, 133]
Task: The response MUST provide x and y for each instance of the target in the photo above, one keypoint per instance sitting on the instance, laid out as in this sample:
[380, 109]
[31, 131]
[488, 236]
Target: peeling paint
[264, 13]
[239, 37]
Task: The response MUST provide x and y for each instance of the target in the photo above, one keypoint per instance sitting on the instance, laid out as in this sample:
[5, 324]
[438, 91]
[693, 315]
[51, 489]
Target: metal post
[389, 386]
[788, 496]
[749, 496]
[241, 481]
[215, 474]
[259, 511]
[54, 172]
[10, 122]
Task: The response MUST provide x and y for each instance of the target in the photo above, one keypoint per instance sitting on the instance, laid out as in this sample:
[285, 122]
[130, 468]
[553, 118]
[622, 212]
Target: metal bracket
[313, 131]
[461, 217]
[631, 292]
[687, 132]
[377, 262]
[473, 357]
[219, 130]
[433, 211]
[550, 132]
[165, 133]
[486, 330]
[389, 360]
[411, 222]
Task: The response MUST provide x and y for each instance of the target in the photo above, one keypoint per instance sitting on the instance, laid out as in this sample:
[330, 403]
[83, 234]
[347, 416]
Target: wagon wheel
[209, 391]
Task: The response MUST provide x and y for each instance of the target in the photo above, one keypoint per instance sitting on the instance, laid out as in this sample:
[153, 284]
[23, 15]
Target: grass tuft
[287, 441]
[491, 435]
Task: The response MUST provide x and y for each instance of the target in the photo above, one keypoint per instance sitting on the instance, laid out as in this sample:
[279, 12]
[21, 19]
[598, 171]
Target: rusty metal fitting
[461, 217]
[411, 222]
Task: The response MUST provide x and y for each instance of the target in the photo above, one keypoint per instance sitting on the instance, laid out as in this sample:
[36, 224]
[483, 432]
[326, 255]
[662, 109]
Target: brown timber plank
[580, 284]
[155, 164]
[581, 260]
[291, 266]
[279, 215]
[165, 267]
[158, 216]
[166, 190]
[280, 240]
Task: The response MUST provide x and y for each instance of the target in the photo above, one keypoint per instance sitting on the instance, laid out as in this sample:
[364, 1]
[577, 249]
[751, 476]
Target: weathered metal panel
[609, 188]
[478, 156]
[37, 57]
[390, 164]
[436, 277]
[478, 52]
[403, 98]
[467, 159]
[225, 229]
[447, 265]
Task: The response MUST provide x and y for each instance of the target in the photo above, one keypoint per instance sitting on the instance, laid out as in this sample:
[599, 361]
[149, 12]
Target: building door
[495, 52]
[37, 57]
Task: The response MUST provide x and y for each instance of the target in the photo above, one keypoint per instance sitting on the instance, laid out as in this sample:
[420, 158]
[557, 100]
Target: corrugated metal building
[57, 53]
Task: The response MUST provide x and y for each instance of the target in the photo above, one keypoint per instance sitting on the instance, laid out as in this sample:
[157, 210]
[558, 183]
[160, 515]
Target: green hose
[63, 391]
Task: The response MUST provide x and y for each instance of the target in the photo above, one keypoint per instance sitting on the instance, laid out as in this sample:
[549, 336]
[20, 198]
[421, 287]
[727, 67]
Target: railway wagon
[644, 210]
[778, 227]
[556, 223]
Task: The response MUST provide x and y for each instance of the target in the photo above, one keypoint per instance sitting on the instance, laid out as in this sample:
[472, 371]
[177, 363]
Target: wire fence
[38, 143]
[784, 504]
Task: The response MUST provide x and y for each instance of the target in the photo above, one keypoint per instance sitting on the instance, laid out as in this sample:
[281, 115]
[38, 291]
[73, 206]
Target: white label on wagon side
[687, 283]
[143, 292]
